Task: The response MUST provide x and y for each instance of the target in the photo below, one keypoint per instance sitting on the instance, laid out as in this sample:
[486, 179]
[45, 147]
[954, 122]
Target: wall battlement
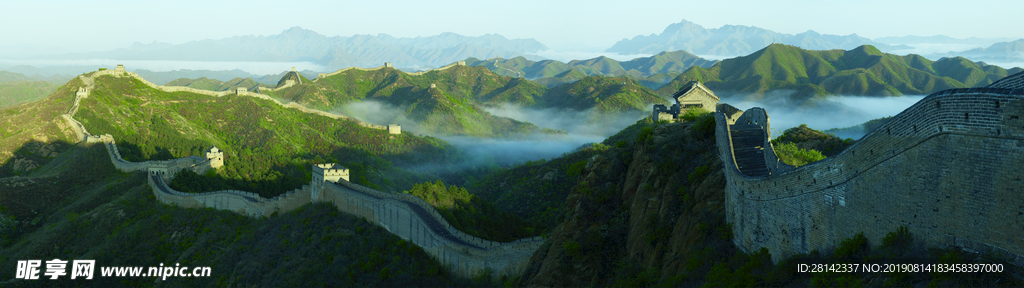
[946, 168]
[404, 215]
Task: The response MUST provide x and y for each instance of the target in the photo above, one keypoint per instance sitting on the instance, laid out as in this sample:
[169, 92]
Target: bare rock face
[642, 209]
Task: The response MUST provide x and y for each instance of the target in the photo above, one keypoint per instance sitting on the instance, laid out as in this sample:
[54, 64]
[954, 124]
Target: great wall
[386, 65]
[948, 168]
[404, 215]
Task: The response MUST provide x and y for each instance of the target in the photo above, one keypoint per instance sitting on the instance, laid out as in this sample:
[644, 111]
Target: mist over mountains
[940, 39]
[298, 44]
[735, 40]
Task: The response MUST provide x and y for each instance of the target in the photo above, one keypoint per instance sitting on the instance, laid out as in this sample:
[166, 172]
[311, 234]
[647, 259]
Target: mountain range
[297, 44]
[16, 88]
[652, 71]
[734, 40]
[459, 100]
[862, 71]
[940, 39]
[1010, 51]
[454, 101]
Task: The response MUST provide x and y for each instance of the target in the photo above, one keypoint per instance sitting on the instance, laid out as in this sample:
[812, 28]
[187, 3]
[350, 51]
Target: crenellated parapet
[946, 168]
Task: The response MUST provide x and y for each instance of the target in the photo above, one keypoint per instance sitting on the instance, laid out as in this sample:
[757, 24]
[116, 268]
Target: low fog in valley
[824, 113]
[583, 128]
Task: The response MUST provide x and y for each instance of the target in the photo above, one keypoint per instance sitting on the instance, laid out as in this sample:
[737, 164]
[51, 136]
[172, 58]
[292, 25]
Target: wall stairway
[748, 146]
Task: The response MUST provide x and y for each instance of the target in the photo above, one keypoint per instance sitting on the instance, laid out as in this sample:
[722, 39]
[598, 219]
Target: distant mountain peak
[294, 29]
[299, 32]
[683, 25]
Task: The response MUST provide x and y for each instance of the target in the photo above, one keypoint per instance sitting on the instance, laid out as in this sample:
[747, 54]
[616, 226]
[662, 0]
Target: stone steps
[747, 143]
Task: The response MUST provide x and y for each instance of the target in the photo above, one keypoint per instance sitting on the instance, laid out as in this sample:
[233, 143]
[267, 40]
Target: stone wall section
[948, 168]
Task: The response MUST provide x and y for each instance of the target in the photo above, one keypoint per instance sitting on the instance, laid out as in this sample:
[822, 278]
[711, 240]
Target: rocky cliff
[646, 211]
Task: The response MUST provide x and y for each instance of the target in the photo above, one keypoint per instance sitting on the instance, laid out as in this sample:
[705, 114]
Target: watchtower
[394, 129]
[695, 95]
[460, 63]
[241, 90]
[387, 65]
[329, 172]
[82, 92]
[216, 157]
[690, 95]
[119, 69]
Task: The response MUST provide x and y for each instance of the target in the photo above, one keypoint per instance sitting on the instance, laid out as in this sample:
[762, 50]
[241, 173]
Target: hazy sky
[564, 25]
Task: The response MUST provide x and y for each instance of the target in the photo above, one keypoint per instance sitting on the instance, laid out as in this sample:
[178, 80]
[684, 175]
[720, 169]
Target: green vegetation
[604, 94]
[790, 154]
[34, 133]
[17, 92]
[861, 129]
[801, 145]
[268, 148]
[535, 190]
[861, 71]
[471, 214]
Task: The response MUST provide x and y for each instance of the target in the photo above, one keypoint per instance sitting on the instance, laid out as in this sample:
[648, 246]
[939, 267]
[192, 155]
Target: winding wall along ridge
[948, 168]
[407, 216]
[387, 65]
[89, 80]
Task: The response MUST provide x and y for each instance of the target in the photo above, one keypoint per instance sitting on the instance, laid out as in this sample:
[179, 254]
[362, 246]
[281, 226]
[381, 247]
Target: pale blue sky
[563, 25]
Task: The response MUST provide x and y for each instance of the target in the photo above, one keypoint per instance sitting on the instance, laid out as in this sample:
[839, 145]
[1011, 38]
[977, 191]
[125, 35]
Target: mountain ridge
[733, 40]
[650, 71]
[863, 71]
[298, 44]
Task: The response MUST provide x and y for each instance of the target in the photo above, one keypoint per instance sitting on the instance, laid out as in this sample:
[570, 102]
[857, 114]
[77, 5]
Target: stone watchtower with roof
[691, 95]
[216, 157]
